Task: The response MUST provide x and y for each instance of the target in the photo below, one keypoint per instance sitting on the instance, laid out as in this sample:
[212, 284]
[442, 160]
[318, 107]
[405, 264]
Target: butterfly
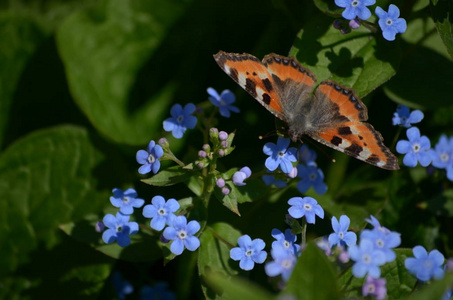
[331, 114]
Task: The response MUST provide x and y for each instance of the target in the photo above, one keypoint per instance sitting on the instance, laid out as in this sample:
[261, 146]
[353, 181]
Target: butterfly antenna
[268, 135]
[316, 145]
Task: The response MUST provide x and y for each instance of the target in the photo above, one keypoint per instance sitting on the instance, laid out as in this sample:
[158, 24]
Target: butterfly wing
[252, 75]
[351, 134]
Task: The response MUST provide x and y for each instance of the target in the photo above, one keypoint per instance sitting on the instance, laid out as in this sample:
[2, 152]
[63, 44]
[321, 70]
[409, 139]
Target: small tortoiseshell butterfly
[332, 115]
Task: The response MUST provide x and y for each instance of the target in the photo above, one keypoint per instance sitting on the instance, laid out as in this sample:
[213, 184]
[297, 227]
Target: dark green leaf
[103, 50]
[170, 176]
[313, 277]
[442, 13]
[435, 290]
[214, 255]
[48, 179]
[359, 59]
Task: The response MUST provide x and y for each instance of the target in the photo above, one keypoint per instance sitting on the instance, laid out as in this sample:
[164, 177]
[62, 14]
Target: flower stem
[304, 233]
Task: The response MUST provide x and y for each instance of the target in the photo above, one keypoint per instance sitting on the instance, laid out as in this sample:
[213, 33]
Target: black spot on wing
[250, 87]
[354, 149]
[345, 130]
[266, 98]
[234, 74]
[336, 140]
[267, 84]
[373, 159]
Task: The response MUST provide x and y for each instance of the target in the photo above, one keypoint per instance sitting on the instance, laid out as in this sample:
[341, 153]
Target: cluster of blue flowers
[417, 148]
[281, 157]
[356, 10]
[124, 288]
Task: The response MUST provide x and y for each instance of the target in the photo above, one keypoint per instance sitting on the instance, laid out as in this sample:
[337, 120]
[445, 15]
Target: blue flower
[355, 8]
[285, 240]
[311, 176]
[160, 212]
[180, 120]
[306, 155]
[280, 155]
[341, 235]
[150, 158]
[443, 153]
[383, 241]
[119, 229]
[425, 265]
[417, 149]
[181, 234]
[122, 286]
[270, 179]
[390, 22]
[404, 117]
[126, 200]
[367, 259]
[283, 263]
[375, 287]
[307, 207]
[249, 252]
[375, 222]
[223, 101]
[158, 291]
[241, 175]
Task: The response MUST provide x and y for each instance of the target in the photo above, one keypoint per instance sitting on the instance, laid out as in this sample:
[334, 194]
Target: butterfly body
[329, 113]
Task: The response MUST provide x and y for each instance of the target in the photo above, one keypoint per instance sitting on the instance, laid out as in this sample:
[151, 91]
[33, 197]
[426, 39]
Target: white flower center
[389, 22]
[307, 206]
[355, 3]
[312, 176]
[182, 234]
[281, 153]
[180, 119]
[119, 228]
[287, 264]
[428, 264]
[286, 244]
[341, 235]
[444, 157]
[151, 159]
[416, 147]
[371, 288]
[366, 258]
[161, 212]
[380, 243]
[248, 252]
[126, 199]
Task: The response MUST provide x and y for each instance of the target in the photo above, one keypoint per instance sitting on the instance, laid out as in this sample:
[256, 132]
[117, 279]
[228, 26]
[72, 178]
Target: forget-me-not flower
[306, 155]
[249, 252]
[307, 207]
[341, 235]
[390, 22]
[375, 222]
[383, 241]
[375, 287]
[150, 159]
[313, 176]
[280, 155]
[161, 212]
[367, 259]
[286, 240]
[355, 8]
[443, 153]
[405, 118]
[182, 235]
[270, 179]
[417, 149]
[425, 265]
[126, 200]
[181, 120]
[119, 229]
[283, 263]
[223, 101]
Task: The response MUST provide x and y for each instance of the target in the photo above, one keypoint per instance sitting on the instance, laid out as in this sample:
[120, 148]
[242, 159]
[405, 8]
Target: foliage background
[85, 84]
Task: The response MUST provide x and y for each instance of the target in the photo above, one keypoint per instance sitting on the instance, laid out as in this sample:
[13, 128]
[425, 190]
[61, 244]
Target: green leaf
[235, 288]
[329, 8]
[411, 86]
[442, 13]
[48, 180]
[313, 277]
[21, 35]
[104, 50]
[170, 176]
[359, 59]
[435, 290]
[214, 255]
[230, 201]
